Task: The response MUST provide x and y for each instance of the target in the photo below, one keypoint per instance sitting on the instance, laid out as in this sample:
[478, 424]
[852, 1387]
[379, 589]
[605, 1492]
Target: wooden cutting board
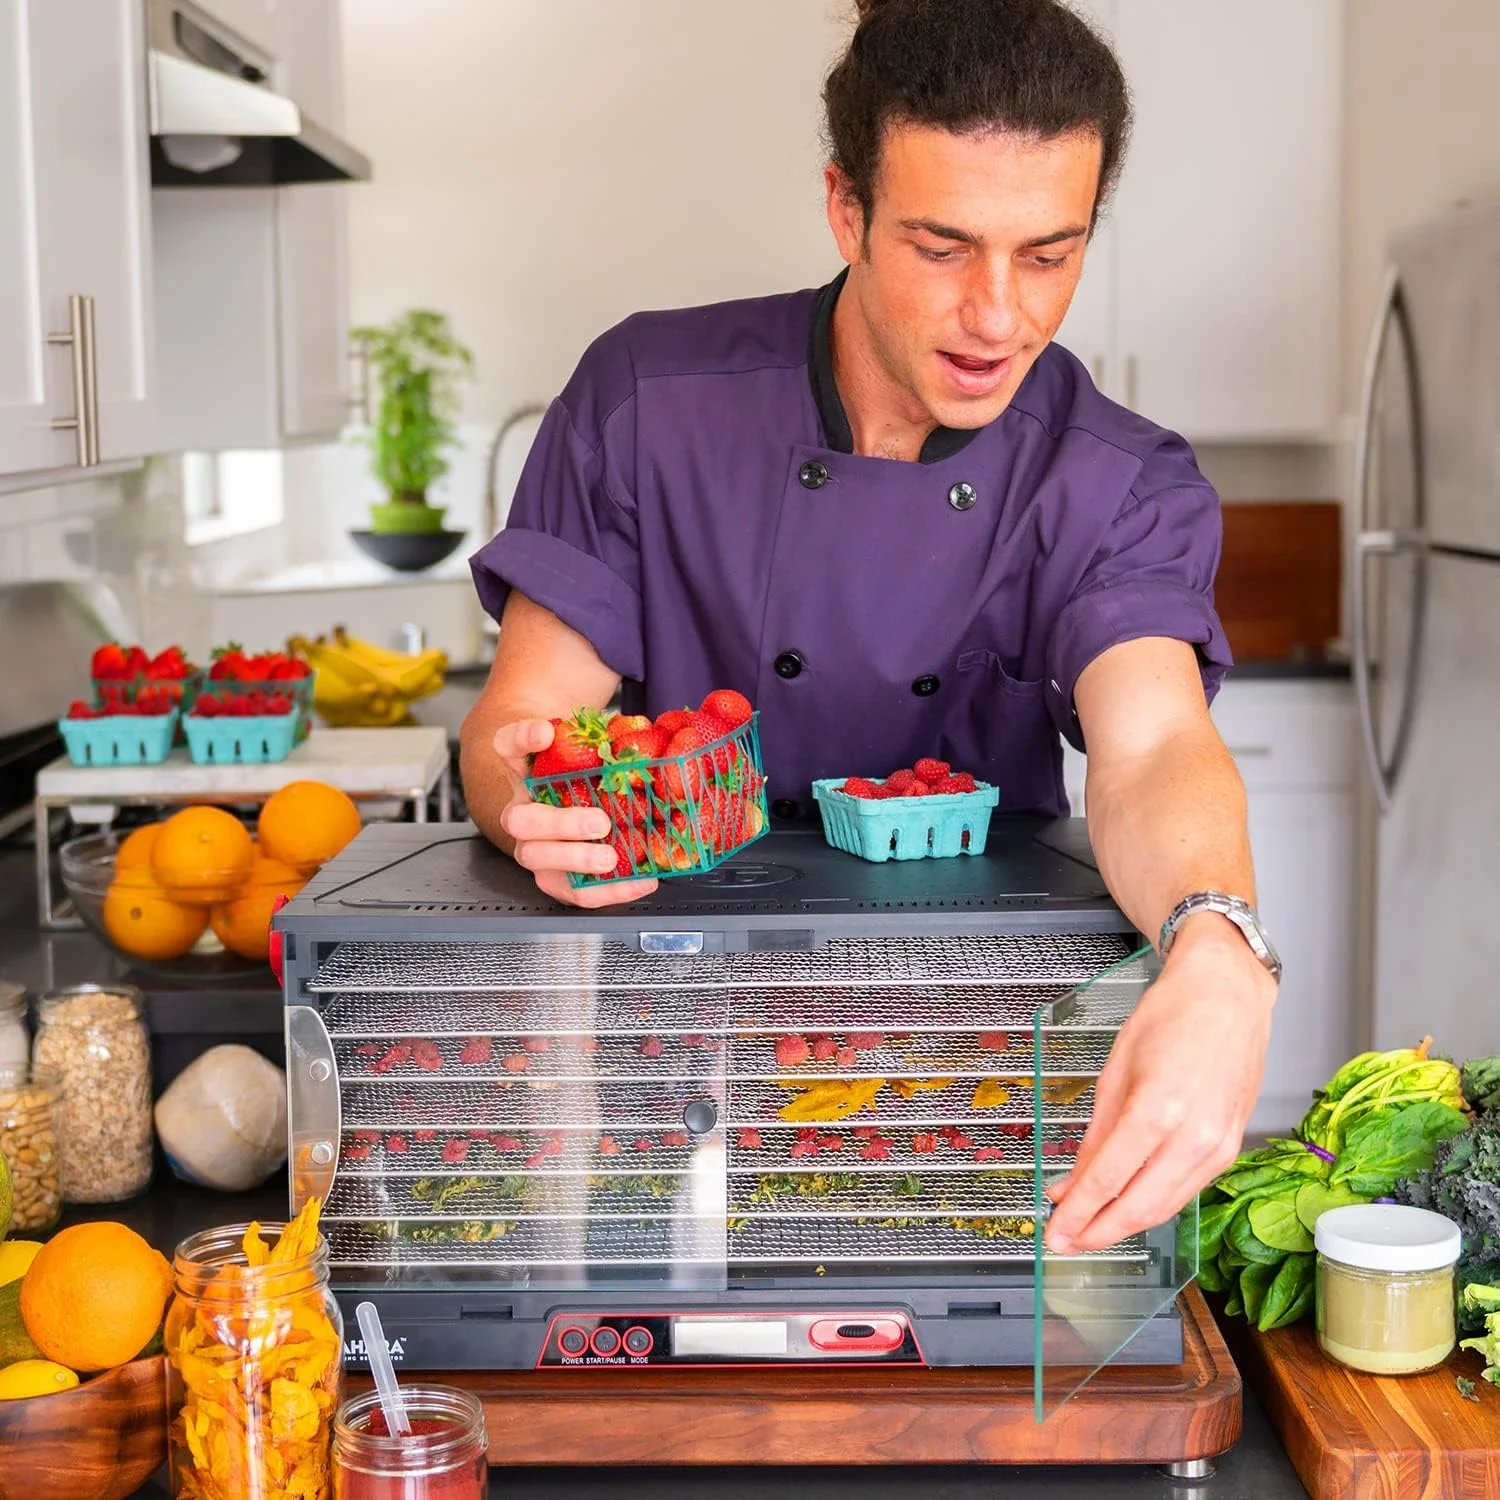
[1368, 1437]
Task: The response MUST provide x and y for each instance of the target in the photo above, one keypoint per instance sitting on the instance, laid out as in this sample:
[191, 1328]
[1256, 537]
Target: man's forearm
[1170, 821]
[488, 787]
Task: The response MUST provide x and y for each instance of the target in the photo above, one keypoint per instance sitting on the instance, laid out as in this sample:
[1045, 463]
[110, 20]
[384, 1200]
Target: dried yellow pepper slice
[991, 1094]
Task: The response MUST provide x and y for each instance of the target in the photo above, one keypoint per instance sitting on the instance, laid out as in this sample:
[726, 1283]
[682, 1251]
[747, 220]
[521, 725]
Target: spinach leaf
[1315, 1198]
[1248, 1179]
[1284, 1299]
[1387, 1145]
[1234, 1307]
[1210, 1277]
[1212, 1222]
[1255, 1282]
[1243, 1237]
[1275, 1222]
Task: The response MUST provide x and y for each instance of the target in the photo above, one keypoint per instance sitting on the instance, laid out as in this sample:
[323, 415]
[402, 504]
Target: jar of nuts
[96, 1040]
[29, 1100]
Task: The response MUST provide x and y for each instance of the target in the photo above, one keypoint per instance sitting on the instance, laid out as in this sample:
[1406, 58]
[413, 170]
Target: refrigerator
[1425, 586]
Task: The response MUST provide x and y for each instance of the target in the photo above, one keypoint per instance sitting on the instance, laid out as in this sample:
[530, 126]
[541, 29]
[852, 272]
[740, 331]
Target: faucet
[489, 516]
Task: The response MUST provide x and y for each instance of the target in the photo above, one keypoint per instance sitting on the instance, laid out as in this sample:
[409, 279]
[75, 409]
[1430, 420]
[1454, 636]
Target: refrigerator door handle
[1368, 544]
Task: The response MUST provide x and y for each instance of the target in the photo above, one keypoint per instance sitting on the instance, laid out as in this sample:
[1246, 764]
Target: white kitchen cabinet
[253, 304]
[74, 222]
[1216, 314]
[1294, 742]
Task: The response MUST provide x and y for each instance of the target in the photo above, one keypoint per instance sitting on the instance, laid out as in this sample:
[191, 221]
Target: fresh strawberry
[289, 669]
[110, 663]
[860, 786]
[729, 707]
[623, 724]
[476, 1050]
[930, 770]
[792, 1051]
[667, 851]
[898, 781]
[673, 720]
[750, 1139]
[169, 665]
[577, 745]
[78, 709]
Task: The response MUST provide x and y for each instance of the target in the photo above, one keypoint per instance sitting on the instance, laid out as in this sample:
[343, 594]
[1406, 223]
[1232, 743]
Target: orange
[142, 919]
[94, 1296]
[202, 855]
[306, 823]
[271, 874]
[244, 924]
[135, 848]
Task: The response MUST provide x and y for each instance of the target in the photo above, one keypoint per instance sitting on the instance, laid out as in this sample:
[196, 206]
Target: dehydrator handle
[313, 1112]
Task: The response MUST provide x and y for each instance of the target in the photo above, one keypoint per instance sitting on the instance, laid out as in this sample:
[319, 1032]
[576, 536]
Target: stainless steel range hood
[216, 120]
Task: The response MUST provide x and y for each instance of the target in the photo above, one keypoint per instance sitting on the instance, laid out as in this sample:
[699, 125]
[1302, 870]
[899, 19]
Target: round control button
[605, 1341]
[925, 687]
[700, 1116]
[572, 1342]
[963, 496]
[813, 475]
[788, 665]
[638, 1341]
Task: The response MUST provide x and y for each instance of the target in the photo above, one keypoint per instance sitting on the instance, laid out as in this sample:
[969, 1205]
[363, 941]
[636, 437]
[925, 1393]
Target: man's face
[974, 249]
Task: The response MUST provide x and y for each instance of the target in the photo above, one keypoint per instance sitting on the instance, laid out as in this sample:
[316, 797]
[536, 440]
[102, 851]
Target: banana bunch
[361, 686]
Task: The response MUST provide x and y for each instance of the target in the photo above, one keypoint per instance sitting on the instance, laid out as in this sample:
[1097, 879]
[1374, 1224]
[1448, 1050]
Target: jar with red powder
[444, 1457]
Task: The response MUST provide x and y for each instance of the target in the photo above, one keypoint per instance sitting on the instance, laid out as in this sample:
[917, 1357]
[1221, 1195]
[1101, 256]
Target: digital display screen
[737, 1338]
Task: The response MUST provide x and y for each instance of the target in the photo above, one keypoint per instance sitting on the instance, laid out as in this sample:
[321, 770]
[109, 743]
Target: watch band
[1240, 912]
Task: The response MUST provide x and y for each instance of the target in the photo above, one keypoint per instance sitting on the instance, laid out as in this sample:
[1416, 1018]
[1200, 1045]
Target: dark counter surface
[1256, 1469]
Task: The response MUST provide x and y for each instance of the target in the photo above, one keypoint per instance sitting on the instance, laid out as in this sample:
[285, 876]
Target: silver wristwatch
[1241, 913]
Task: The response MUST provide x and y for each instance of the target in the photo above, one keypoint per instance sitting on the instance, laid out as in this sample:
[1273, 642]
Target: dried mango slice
[991, 1094]
[1064, 1090]
[909, 1088]
[834, 1100]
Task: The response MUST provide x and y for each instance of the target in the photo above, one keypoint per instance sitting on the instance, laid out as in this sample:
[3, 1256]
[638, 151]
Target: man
[903, 522]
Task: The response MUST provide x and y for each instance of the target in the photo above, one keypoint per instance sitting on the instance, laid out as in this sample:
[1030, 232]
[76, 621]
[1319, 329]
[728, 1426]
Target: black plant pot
[408, 551]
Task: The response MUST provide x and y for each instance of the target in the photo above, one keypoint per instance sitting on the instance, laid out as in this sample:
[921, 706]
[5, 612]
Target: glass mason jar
[15, 1040]
[30, 1106]
[1385, 1287]
[95, 1037]
[444, 1457]
[254, 1369]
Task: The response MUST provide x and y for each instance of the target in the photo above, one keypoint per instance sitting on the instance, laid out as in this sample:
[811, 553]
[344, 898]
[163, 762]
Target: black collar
[942, 442]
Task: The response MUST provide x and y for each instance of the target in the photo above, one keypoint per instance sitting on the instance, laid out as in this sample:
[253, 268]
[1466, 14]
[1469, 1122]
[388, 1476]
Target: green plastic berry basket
[119, 740]
[298, 689]
[934, 827]
[254, 740]
[675, 816]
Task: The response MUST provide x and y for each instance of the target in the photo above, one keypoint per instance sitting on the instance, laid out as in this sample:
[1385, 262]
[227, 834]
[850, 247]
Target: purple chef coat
[693, 507]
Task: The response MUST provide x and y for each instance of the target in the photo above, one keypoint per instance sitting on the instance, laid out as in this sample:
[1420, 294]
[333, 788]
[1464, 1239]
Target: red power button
[863, 1335]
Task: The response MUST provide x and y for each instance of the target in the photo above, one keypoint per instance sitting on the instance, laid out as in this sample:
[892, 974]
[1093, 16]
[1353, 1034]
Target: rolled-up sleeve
[571, 544]
[1152, 575]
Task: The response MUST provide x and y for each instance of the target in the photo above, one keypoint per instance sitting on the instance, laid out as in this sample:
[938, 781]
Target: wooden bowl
[104, 1439]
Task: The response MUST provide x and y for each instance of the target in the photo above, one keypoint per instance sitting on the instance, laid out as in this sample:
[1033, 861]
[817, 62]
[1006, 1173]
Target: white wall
[543, 168]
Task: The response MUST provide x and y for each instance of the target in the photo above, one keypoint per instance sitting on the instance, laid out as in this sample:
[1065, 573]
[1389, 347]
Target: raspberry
[951, 784]
[932, 770]
[964, 782]
[918, 789]
[898, 781]
[792, 1051]
[824, 1049]
[750, 1139]
[860, 786]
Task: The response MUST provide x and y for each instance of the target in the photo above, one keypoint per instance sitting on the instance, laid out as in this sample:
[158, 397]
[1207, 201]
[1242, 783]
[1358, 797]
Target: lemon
[34, 1377]
[16, 1257]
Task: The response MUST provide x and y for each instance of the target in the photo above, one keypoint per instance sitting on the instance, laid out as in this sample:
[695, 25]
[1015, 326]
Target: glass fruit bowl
[139, 922]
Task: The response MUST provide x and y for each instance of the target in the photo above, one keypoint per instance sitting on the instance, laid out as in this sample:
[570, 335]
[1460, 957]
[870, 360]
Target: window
[229, 494]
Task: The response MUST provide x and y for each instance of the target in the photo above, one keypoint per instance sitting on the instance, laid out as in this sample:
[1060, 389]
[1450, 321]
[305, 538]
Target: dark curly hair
[1033, 67]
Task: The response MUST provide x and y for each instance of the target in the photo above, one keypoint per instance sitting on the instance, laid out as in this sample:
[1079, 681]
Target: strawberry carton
[925, 811]
[121, 674]
[242, 728]
[242, 674]
[683, 791]
[137, 731]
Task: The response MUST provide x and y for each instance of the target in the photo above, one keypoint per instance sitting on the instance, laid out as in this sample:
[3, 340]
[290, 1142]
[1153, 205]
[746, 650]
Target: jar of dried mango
[254, 1343]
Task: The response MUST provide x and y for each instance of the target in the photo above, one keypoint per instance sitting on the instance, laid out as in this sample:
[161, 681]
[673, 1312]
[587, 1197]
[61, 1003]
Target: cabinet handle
[359, 397]
[85, 421]
[1132, 373]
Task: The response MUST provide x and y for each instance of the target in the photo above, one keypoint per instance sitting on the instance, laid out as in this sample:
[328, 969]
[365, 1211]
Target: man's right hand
[552, 841]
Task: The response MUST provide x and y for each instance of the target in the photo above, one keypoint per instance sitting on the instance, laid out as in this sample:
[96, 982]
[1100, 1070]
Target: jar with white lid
[15, 1040]
[1385, 1287]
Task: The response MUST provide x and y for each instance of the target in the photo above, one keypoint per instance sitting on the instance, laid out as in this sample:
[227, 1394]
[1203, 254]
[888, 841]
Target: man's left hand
[1171, 1105]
